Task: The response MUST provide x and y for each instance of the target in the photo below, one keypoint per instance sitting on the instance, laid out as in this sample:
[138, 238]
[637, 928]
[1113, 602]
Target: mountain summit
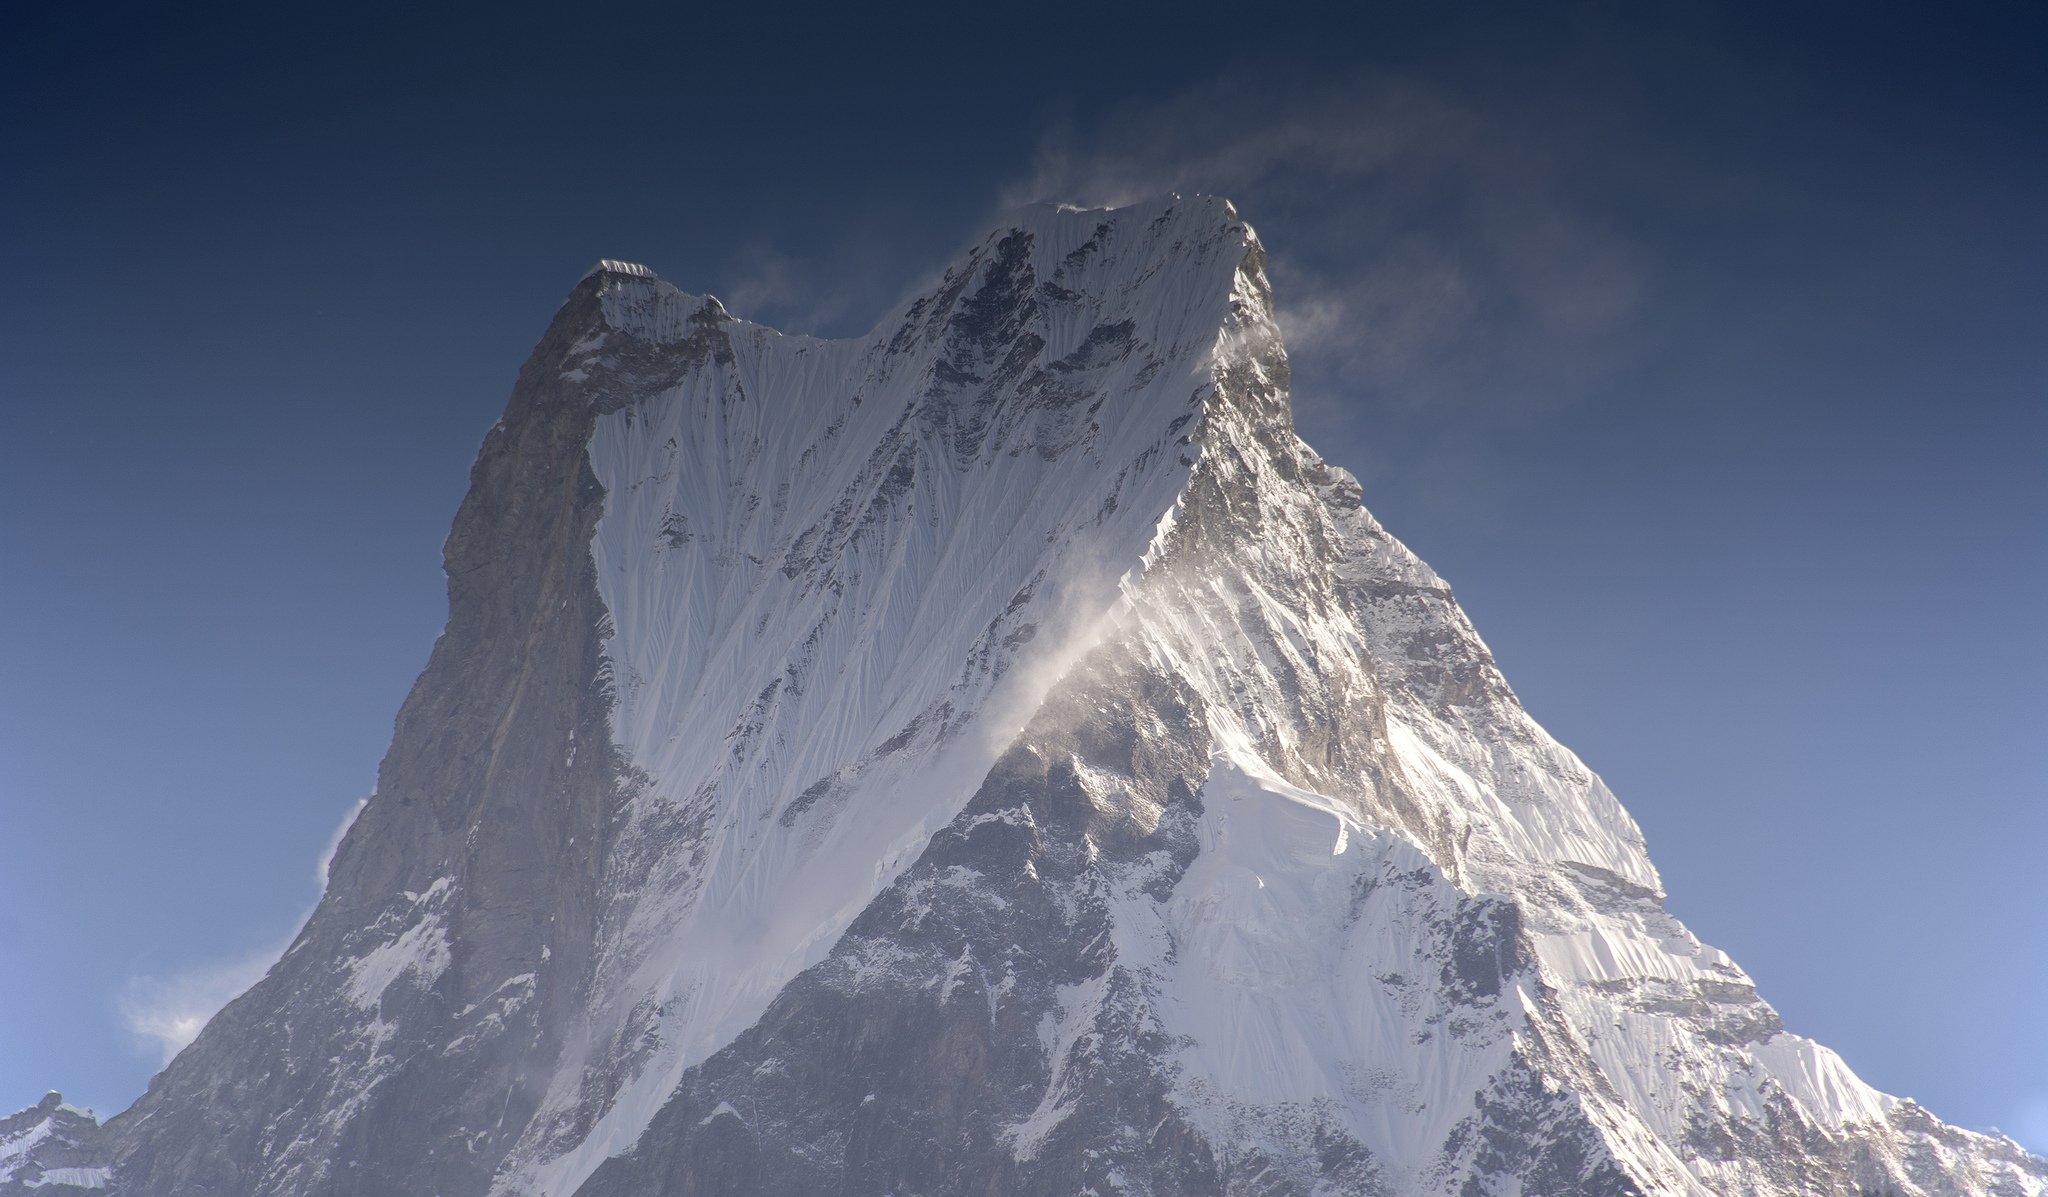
[993, 755]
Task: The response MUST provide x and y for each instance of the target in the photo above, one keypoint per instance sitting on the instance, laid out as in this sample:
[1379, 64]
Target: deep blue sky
[1705, 351]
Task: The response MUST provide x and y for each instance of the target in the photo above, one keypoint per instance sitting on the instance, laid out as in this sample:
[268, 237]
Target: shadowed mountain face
[994, 755]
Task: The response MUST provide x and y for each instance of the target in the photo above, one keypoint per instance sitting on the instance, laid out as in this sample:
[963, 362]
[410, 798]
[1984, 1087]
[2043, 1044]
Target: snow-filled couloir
[990, 755]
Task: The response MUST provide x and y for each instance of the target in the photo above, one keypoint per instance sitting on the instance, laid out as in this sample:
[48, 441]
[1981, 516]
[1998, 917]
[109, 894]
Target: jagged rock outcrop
[52, 1149]
[995, 756]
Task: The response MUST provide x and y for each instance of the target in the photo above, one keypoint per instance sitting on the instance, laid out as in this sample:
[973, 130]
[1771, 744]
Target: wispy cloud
[2029, 1124]
[168, 1012]
[1452, 262]
[772, 287]
[868, 257]
[334, 843]
[1439, 255]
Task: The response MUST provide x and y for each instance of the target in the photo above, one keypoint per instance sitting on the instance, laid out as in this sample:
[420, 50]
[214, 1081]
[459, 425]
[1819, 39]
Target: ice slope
[1673, 1027]
[843, 576]
[840, 575]
[1284, 957]
[1687, 1073]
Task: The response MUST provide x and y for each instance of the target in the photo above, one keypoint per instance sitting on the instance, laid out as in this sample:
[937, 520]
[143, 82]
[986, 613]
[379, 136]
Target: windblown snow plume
[991, 755]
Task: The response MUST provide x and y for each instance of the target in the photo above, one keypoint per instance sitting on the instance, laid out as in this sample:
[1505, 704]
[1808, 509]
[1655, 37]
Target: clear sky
[1705, 351]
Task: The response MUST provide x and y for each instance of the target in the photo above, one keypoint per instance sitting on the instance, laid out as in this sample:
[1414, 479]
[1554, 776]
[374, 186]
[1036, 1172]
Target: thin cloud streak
[1431, 250]
[168, 1012]
[2030, 1124]
[790, 293]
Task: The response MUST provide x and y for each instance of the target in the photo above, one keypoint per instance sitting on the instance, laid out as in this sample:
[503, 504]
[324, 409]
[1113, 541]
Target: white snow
[826, 566]
[15, 1155]
[419, 952]
[1538, 822]
[84, 1178]
[13, 1152]
[614, 266]
[1292, 992]
[839, 586]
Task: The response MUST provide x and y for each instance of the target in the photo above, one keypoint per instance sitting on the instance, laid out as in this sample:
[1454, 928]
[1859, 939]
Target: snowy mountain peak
[52, 1149]
[614, 266]
[990, 754]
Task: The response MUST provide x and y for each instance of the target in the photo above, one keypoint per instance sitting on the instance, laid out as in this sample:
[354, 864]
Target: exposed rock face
[991, 756]
[389, 1047]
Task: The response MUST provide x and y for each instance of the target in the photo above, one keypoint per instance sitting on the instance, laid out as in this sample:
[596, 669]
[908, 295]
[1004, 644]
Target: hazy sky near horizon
[1703, 348]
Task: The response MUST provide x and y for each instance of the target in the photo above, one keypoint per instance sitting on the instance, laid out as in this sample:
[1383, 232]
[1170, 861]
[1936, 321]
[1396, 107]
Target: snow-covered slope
[51, 1148]
[839, 576]
[991, 755]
